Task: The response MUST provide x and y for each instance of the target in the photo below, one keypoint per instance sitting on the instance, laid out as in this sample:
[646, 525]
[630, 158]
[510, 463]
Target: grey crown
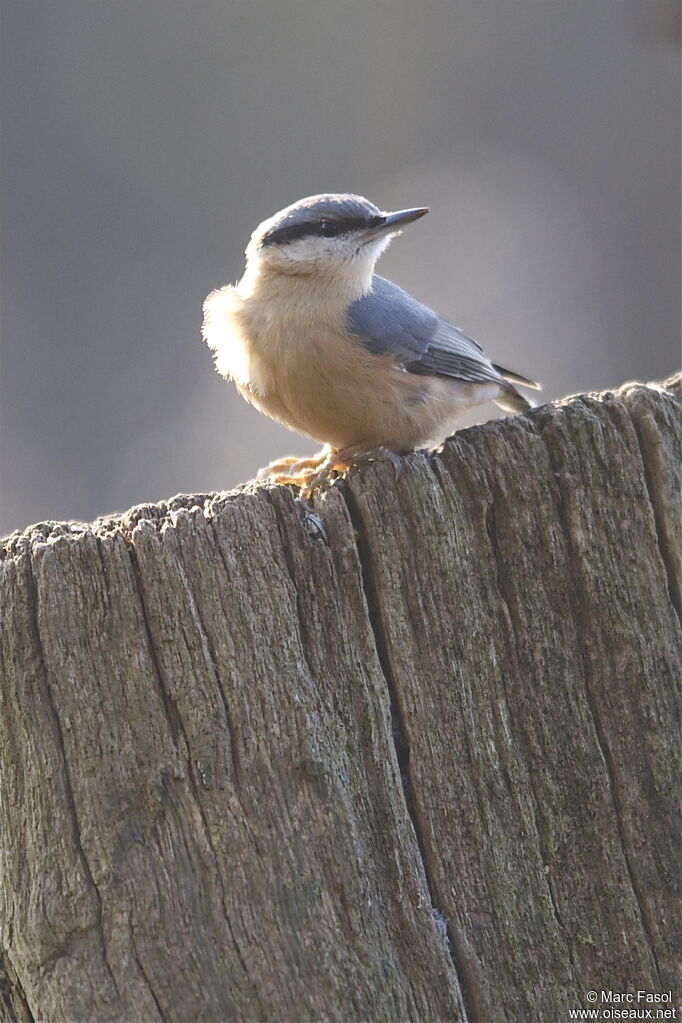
[350, 212]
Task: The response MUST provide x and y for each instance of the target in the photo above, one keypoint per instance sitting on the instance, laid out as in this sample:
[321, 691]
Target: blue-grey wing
[389, 321]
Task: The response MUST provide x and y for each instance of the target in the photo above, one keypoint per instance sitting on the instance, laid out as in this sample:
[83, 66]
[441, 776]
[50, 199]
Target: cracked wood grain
[421, 764]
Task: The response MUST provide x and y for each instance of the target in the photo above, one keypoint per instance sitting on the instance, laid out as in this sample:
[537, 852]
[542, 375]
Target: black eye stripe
[292, 232]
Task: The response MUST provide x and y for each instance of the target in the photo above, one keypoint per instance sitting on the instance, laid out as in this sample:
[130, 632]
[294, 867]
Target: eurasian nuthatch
[315, 340]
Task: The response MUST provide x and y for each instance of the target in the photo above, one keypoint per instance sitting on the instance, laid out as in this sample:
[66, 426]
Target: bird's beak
[389, 223]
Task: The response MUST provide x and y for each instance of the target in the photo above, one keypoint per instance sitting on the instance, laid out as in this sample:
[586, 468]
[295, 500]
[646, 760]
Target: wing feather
[387, 320]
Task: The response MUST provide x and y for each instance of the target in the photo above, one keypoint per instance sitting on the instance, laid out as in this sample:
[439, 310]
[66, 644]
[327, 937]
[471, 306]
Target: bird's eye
[328, 228]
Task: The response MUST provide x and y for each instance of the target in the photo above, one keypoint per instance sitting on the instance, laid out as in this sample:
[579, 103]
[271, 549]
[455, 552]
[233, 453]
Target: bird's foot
[310, 474]
[306, 473]
[290, 468]
[338, 463]
[349, 457]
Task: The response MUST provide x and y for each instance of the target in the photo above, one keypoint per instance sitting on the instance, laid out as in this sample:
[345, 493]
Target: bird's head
[327, 236]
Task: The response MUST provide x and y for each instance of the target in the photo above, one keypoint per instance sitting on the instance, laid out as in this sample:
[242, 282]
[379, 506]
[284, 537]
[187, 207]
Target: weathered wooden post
[419, 762]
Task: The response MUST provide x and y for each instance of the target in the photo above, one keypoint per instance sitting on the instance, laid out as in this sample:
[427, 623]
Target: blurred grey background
[144, 139]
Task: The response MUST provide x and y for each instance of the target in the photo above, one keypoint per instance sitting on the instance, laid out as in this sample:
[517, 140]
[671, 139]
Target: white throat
[300, 266]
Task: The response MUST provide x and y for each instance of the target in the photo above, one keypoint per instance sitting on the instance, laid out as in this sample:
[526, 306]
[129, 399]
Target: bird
[313, 338]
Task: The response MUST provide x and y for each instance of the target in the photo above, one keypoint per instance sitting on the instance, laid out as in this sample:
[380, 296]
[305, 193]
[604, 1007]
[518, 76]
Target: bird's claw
[395, 460]
[355, 456]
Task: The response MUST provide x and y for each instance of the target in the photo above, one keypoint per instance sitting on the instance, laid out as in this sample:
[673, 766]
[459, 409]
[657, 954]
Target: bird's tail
[512, 400]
